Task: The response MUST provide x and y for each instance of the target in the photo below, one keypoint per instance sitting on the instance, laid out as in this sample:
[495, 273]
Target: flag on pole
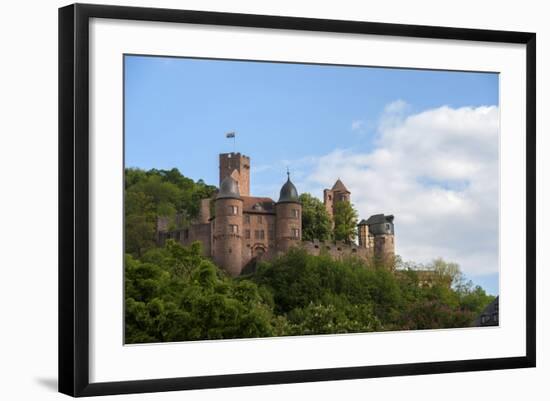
[230, 135]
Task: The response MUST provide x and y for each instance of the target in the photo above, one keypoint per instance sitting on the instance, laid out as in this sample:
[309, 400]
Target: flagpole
[232, 134]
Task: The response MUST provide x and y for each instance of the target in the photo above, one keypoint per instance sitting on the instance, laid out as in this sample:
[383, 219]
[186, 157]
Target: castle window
[354, 250]
[178, 235]
[260, 219]
[295, 213]
[233, 210]
[257, 234]
[339, 248]
[247, 218]
[295, 233]
[388, 227]
[247, 234]
[186, 234]
[233, 229]
[262, 234]
[330, 197]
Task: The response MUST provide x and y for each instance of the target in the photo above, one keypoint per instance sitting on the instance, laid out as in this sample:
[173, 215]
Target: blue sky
[325, 122]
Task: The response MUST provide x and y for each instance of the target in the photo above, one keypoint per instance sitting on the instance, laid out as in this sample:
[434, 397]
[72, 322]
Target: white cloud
[356, 125]
[437, 172]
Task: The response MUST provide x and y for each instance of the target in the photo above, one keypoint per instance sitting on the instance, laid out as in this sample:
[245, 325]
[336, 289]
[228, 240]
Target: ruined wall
[187, 235]
[337, 250]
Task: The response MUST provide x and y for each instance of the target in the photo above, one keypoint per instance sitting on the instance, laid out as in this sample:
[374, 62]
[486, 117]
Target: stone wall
[258, 236]
[337, 250]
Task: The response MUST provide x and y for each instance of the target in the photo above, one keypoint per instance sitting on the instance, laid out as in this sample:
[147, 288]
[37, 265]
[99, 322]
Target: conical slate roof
[229, 188]
[288, 192]
[339, 186]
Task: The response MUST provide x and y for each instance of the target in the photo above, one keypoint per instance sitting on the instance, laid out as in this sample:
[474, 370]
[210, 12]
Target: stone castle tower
[331, 197]
[237, 166]
[288, 227]
[227, 227]
[245, 229]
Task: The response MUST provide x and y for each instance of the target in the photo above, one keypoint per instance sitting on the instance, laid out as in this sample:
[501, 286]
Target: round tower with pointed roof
[227, 227]
[288, 223]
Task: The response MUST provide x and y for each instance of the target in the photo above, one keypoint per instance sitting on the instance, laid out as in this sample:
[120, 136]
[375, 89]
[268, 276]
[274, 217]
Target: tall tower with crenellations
[236, 165]
[288, 211]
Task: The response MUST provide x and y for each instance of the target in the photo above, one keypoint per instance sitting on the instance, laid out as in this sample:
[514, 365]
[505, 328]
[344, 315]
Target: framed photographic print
[252, 199]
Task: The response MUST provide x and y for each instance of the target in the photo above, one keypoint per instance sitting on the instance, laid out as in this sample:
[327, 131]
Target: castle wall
[186, 236]
[227, 235]
[204, 211]
[258, 237]
[286, 223]
[337, 250]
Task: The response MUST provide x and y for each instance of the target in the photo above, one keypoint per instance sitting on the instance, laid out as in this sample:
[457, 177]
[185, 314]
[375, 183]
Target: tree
[345, 222]
[153, 193]
[316, 222]
[175, 294]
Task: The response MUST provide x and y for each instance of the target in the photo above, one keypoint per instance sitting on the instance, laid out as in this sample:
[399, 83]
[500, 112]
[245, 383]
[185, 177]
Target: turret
[228, 225]
[381, 227]
[288, 225]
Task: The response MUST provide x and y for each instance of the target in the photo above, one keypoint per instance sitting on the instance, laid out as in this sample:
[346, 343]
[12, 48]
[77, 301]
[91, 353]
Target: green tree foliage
[316, 222]
[175, 294]
[153, 193]
[345, 222]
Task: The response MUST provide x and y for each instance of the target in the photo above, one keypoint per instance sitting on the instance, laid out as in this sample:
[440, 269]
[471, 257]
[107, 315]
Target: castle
[244, 229]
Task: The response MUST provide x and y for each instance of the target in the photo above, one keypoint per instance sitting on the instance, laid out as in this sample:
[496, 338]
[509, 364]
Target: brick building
[244, 229]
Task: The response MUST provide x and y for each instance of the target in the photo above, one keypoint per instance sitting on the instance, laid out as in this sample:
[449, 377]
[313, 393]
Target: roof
[339, 186]
[488, 312]
[229, 188]
[289, 193]
[377, 219]
[257, 204]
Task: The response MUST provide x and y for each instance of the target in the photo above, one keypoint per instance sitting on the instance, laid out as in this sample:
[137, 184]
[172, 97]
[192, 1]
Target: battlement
[337, 249]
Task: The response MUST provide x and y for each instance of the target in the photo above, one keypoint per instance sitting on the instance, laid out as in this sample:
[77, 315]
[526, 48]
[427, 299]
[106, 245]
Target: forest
[173, 293]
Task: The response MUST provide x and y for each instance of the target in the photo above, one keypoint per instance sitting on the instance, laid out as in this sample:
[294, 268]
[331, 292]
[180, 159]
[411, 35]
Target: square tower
[230, 162]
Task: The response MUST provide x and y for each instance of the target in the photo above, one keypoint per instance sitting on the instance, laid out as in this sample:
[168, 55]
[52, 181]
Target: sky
[419, 144]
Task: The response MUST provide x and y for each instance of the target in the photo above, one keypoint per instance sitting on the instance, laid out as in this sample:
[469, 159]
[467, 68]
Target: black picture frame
[74, 198]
